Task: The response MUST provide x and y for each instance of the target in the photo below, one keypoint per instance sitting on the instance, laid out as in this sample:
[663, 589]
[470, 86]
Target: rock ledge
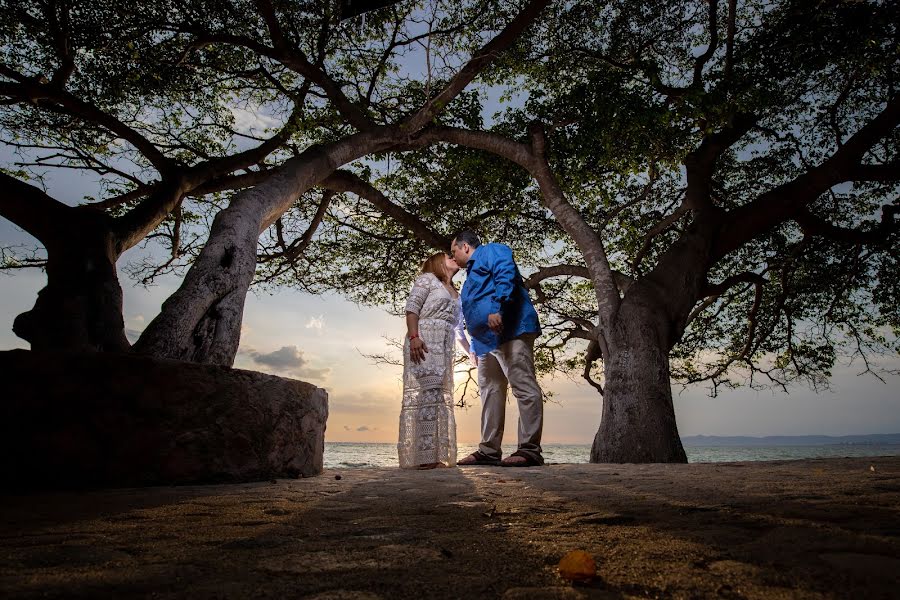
[82, 420]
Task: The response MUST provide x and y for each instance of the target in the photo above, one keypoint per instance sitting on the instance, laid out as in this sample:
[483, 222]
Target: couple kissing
[493, 320]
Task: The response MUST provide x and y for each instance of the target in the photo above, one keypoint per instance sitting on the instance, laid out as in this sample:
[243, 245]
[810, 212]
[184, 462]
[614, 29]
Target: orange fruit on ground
[577, 565]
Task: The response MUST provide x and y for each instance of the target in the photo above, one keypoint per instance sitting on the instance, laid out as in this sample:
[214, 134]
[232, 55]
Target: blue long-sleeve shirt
[494, 285]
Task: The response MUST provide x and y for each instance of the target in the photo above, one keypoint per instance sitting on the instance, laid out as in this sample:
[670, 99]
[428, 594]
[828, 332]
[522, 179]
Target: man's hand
[417, 350]
[495, 322]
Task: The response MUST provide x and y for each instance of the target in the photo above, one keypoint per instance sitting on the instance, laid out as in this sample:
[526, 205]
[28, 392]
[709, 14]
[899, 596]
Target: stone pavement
[800, 529]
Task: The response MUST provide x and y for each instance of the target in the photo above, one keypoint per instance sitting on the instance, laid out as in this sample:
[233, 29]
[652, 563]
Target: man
[503, 325]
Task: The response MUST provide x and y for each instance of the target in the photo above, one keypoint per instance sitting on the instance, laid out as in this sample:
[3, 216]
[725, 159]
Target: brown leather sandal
[478, 458]
[530, 460]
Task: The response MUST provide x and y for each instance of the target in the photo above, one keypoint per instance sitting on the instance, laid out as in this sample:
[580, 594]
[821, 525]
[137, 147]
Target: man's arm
[503, 272]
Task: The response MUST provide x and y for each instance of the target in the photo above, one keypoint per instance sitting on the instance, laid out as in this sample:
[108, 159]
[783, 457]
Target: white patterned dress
[427, 424]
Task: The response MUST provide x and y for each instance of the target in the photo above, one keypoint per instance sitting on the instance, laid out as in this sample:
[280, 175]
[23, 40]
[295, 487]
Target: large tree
[708, 190]
[116, 73]
[101, 90]
[201, 320]
[726, 179]
[762, 235]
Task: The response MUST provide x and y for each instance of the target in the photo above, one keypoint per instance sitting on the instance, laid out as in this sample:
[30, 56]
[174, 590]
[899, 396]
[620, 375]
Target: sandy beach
[799, 529]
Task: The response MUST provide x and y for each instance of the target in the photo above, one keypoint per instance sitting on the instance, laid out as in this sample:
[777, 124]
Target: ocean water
[344, 455]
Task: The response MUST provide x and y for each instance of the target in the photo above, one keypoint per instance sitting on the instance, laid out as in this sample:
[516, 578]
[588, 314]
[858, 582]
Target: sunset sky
[323, 339]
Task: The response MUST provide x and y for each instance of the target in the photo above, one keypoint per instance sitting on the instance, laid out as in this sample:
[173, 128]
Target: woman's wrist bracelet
[413, 336]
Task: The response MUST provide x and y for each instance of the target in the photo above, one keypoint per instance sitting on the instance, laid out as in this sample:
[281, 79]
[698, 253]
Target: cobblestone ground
[801, 529]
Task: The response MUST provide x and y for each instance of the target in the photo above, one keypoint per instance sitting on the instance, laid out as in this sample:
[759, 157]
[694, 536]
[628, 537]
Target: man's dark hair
[467, 236]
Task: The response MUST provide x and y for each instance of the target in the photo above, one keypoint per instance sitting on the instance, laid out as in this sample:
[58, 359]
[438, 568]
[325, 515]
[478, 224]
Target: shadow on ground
[802, 529]
[373, 533]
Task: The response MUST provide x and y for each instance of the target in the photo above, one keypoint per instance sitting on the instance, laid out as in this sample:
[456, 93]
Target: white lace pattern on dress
[427, 424]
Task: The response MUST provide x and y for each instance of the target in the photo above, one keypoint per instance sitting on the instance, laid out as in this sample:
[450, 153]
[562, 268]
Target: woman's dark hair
[467, 236]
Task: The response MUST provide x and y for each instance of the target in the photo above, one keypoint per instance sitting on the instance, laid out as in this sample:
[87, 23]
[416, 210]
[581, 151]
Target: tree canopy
[630, 96]
[695, 190]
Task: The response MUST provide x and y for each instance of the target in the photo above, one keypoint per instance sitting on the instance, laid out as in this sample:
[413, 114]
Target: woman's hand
[417, 350]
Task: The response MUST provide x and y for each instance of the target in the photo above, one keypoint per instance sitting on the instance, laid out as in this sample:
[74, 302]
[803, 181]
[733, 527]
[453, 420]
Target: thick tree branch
[785, 201]
[487, 54]
[267, 12]
[717, 289]
[133, 226]
[345, 181]
[729, 41]
[700, 164]
[31, 208]
[64, 102]
[881, 173]
[879, 234]
[62, 42]
[711, 49]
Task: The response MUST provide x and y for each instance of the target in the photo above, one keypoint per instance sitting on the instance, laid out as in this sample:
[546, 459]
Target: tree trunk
[201, 321]
[638, 421]
[80, 309]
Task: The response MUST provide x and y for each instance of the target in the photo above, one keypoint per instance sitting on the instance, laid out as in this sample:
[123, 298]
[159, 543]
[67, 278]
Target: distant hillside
[790, 440]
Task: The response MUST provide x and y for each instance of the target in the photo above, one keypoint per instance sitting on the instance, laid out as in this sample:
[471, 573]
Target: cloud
[134, 327]
[285, 358]
[317, 323]
[288, 360]
[361, 404]
[252, 121]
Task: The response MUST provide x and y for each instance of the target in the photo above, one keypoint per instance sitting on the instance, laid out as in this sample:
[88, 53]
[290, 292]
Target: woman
[433, 320]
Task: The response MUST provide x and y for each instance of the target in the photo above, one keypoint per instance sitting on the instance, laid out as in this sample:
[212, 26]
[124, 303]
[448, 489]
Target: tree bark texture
[201, 321]
[638, 420]
[80, 309]
[81, 306]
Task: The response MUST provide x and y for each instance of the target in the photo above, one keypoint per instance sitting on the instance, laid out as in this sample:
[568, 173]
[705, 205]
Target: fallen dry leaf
[577, 565]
